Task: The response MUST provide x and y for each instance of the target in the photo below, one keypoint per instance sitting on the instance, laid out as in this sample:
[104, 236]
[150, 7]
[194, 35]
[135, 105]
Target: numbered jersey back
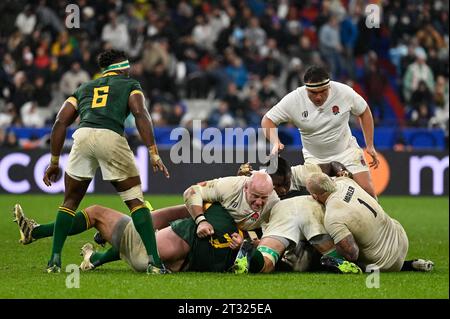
[103, 102]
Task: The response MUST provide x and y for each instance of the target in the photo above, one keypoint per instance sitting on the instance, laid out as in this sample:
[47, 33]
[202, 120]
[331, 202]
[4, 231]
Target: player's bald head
[258, 189]
[320, 183]
[261, 183]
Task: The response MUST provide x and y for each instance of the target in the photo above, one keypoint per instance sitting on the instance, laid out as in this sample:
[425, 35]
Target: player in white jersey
[362, 232]
[294, 232]
[293, 220]
[247, 199]
[295, 225]
[291, 181]
[321, 111]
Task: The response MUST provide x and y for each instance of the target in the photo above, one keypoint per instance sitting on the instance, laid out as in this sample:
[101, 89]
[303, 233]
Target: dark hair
[110, 57]
[283, 168]
[315, 74]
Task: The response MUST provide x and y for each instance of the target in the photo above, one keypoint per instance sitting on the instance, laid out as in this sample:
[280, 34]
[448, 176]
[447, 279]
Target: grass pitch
[425, 220]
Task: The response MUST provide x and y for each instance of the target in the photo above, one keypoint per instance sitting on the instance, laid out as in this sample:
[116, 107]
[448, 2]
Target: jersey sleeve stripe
[72, 100]
[136, 92]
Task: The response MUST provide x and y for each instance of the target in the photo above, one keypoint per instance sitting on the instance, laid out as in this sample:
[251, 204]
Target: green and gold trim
[86, 217]
[218, 245]
[72, 100]
[109, 73]
[136, 92]
[66, 210]
[138, 207]
[117, 66]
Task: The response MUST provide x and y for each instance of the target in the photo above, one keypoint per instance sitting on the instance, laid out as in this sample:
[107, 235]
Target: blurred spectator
[237, 71]
[177, 114]
[88, 21]
[42, 93]
[441, 99]
[11, 140]
[407, 58]
[130, 18]
[28, 66]
[26, 20]
[234, 101]
[271, 64]
[221, 116]
[416, 72]
[429, 38]
[267, 93]
[255, 34]
[21, 90]
[137, 72]
[375, 82]
[421, 116]
[31, 116]
[330, 46]
[48, 19]
[295, 74]
[88, 63]
[161, 87]
[155, 52]
[203, 33]
[441, 92]
[422, 95]
[63, 49]
[72, 79]
[42, 60]
[2, 135]
[9, 65]
[305, 53]
[255, 111]
[158, 115]
[7, 115]
[217, 77]
[116, 33]
[348, 35]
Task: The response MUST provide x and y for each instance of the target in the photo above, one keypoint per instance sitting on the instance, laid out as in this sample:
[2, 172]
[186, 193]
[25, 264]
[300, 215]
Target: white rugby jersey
[350, 210]
[297, 219]
[300, 174]
[324, 130]
[229, 192]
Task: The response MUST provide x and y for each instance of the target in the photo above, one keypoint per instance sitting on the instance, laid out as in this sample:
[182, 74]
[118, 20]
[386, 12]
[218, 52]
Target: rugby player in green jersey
[103, 105]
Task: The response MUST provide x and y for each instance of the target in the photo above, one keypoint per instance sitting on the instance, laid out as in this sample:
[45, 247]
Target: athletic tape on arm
[194, 196]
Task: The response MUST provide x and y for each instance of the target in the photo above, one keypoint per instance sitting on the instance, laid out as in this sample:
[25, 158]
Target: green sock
[80, 224]
[335, 254]
[100, 258]
[144, 226]
[256, 262]
[63, 224]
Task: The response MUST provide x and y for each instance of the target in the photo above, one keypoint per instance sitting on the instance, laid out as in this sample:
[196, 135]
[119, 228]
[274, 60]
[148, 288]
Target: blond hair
[319, 183]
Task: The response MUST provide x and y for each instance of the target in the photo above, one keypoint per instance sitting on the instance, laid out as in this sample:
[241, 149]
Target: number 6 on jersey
[100, 96]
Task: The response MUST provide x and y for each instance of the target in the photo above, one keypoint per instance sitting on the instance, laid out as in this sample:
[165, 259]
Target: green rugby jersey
[103, 102]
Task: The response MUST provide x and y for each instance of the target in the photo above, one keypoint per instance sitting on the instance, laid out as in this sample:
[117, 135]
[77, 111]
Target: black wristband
[198, 219]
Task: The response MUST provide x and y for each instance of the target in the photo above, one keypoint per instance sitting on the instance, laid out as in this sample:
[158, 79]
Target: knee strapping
[134, 192]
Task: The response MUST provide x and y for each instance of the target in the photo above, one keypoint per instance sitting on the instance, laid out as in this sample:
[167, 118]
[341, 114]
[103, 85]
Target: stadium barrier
[385, 137]
[400, 173]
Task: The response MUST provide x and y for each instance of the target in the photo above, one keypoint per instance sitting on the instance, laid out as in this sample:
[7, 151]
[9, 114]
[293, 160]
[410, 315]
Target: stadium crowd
[243, 56]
